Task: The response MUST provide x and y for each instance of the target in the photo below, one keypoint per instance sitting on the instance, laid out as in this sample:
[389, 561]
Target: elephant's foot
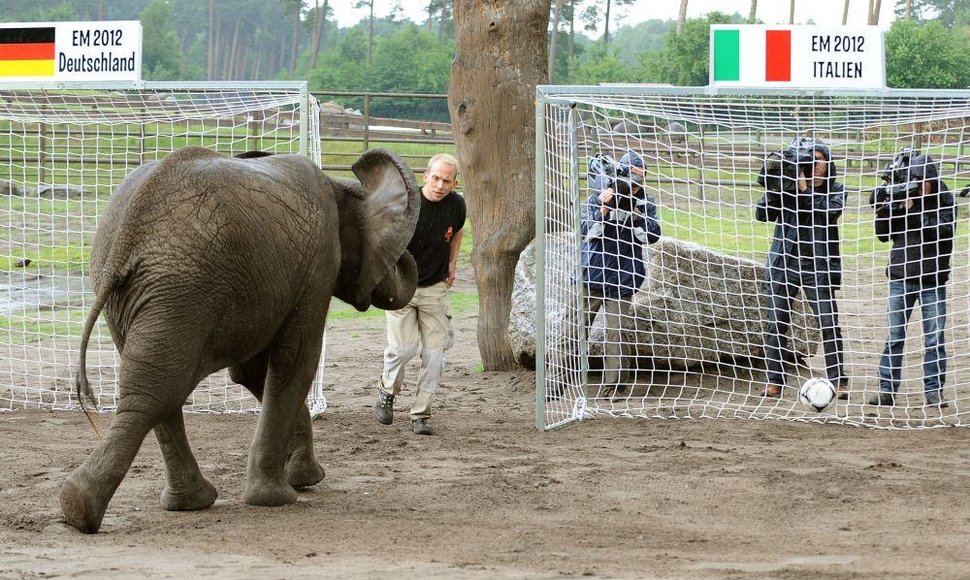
[303, 470]
[198, 497]
[268, 492]
[82, 509]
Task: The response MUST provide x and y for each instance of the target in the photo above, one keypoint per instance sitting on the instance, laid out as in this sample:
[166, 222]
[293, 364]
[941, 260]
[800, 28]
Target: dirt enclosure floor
[489, 497]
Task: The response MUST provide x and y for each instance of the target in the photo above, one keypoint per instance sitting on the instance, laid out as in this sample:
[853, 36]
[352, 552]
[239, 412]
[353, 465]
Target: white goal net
[63, 149]
[753, 287]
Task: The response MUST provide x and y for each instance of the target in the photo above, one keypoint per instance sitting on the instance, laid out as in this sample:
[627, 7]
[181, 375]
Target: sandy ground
[490, 497]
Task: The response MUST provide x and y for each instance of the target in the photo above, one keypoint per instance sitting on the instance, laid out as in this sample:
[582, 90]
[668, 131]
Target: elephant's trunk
[395, 290]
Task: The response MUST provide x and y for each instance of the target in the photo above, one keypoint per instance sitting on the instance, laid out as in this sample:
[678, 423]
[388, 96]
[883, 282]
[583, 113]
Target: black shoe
[934, 400]
[384, 408]
[422, 426]
[883, 398]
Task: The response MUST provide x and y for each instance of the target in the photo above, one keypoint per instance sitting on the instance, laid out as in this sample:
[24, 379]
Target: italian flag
[27, 52]
[729, 50]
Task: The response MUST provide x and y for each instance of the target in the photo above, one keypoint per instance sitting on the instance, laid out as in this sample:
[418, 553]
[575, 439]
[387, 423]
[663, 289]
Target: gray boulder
[697, 307]
[61, 191]
[10, 188]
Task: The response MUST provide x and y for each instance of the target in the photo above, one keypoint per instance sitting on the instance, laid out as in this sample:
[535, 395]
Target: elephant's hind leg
[186, 488]
[302, 468]
[293, 363]
[149, 393]
[87, 491]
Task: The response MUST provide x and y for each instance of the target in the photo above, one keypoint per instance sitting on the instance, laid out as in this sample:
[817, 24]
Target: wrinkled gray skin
[203, 262]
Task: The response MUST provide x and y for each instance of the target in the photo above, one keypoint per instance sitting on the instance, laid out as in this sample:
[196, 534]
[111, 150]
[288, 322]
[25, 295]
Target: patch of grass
[17, 330]
[463, 302]
[460, 302]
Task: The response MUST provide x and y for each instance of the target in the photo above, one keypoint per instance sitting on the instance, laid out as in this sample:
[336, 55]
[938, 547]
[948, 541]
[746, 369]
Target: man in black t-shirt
[426, 320]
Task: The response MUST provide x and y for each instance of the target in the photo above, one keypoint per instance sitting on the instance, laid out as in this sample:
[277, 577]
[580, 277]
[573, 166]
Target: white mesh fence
[62, 152]
[697, 338]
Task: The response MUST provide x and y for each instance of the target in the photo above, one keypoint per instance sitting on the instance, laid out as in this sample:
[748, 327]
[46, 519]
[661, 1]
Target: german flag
[27, 52]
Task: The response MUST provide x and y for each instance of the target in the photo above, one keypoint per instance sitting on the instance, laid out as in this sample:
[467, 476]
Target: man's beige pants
[424, 322]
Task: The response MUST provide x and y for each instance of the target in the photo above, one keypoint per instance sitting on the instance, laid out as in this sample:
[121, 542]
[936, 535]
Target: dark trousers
[782, 286]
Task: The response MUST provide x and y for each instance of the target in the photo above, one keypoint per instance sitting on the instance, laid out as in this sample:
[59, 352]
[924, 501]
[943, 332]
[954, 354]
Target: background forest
[225, 40]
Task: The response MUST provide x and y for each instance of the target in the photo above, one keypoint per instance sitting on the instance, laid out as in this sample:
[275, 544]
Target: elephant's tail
[81, 381]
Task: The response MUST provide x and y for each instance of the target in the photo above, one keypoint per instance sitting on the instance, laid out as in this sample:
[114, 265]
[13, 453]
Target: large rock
[61, 191]
[697, 307]
[10, 188]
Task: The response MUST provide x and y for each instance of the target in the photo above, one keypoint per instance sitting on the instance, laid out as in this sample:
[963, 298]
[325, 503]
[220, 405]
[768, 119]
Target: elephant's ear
[388, 216]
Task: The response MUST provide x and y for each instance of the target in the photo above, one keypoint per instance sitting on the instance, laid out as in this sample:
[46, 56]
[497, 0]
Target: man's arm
[768, 208]
[453, 257]
[646, 225]
[890, 215]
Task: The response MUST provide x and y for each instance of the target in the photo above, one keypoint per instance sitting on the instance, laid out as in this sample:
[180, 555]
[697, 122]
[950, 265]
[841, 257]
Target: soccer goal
[63, 149]
[693, 337]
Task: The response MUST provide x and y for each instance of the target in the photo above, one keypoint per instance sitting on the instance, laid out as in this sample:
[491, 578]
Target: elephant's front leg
[302, 468]
[293, 362]
[186, 488]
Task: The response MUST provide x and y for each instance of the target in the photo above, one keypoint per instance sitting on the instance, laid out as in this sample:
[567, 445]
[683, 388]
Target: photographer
[618, 218]
[915, 210]
[804, 200]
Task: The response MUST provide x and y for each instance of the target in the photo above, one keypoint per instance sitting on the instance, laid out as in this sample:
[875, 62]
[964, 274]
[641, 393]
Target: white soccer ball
[817, 393]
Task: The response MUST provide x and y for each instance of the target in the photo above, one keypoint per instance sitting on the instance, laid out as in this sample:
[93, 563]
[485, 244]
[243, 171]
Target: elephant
[203, 262]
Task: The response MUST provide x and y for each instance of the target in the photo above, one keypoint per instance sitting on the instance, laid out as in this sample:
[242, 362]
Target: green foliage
[63, 11]
[648, 36]
[603, 65]
[946, 12]
[683, 60]
[342, 66]
[927, 55]
[159, 61]
[409, 60]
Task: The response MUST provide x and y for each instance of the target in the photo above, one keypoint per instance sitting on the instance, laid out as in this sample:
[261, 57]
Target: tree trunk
[572, 39]
[317, 29]
[791, 12]
[753, 13]
[682, 17]
[230, 61]
[845, 13]
[500, 57]
[296, 40]
[606, 25]
[554, 38]
[874, 19]
[212, 39]
[370, 34]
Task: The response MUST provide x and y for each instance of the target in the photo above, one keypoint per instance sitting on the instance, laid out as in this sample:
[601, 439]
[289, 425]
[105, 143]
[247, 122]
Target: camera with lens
[604, 171]
[780, 171]
[903, 178]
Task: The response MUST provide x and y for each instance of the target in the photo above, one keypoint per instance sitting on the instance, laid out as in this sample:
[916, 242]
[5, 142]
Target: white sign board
[71, 51]
[816, 57]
